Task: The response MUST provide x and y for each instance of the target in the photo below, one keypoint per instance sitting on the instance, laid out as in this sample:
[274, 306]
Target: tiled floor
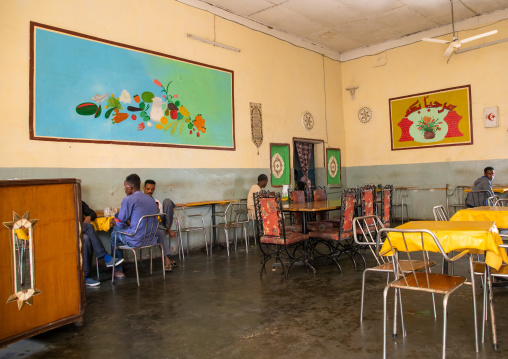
[218, 307]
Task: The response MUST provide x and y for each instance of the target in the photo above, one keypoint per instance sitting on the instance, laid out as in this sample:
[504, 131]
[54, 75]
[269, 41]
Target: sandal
[119, 275]
[174, 264]
[168, 268]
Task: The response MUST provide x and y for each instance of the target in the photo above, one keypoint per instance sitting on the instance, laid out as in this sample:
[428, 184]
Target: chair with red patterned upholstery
[296, 218]
[337, 241]
[286, 247]
[386, 205]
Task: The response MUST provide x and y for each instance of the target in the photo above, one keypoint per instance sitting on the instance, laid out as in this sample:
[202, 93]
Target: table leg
[214, 230]
[491, 306]
[304, 222]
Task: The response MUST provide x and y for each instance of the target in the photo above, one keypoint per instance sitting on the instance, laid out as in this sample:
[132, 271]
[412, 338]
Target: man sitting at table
[91, 244]
[167, 207]
[482, 189]
[262, 182]
[133, 207]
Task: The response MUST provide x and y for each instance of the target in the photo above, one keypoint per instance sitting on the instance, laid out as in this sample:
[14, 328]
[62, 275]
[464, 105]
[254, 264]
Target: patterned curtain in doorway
[304, 150]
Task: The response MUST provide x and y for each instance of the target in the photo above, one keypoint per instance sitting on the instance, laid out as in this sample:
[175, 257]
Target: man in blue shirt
[133, 207]
[482, 189]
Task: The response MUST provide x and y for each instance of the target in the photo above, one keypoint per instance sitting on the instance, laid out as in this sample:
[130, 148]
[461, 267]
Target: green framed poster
[333, 166]
[279, 164]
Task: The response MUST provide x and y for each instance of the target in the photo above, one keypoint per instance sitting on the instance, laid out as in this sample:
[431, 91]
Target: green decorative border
[333, 152]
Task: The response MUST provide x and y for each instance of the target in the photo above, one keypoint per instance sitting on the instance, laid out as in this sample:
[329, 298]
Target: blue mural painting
[87, 89]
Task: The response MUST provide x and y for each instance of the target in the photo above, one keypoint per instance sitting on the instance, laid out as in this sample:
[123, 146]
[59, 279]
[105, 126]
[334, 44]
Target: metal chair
[228, 224]
[492, 200]
[440, 213]
[286, 247]
[365, 232]
[150, 223]
[502, 202]
[180, 218]
[240, 214]
[400, 194]
[479, 269]
[338, 240]
[423, 281]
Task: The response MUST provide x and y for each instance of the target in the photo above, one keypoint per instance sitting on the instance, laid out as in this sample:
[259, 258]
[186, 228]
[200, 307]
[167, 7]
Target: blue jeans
[91, 244]
[120, 239]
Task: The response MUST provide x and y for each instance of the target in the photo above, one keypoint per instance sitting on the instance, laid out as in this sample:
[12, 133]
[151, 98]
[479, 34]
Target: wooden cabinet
[52, 259]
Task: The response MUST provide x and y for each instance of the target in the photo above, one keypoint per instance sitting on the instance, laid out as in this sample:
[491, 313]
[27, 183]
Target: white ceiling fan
[456, 43]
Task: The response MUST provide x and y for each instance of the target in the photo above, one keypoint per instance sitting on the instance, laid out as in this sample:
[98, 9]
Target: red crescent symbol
[489, 116]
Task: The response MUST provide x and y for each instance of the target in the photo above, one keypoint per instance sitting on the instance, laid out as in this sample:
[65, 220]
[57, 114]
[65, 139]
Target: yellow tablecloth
[485, 213]
[102, 223]
[478, 237]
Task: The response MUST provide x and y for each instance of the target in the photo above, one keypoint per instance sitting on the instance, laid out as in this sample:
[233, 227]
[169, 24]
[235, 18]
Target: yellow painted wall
[418, 68]
[285, 79]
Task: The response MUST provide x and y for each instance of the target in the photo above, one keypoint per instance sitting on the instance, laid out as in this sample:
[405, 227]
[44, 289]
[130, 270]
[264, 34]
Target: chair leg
[246, 240]
[227, 239]
[363, 292]
[181, 254]
[445, 305]
[136, 263]
[473, 288]
[385, 293]
[97, 267]
[162, 257]
[151, 256]
[206, 243]
[484, 314]
[492, 316]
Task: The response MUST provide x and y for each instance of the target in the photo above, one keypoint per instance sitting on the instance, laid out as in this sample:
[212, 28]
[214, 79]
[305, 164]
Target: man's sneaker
[117, 262]
[91, 282]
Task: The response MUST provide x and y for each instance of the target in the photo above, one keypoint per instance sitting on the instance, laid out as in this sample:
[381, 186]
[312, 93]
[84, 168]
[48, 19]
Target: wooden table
[311, 207]
[484, 213]
[211, 203]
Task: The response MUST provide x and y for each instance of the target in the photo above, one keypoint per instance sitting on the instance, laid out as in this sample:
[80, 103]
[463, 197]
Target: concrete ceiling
[345, 26]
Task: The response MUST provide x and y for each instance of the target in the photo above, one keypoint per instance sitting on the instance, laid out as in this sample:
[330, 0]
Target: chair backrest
[478, 198]
[440, 213]
[148, 225]
[492, 201]
[405, 240]
[347, 211]
[320, 194]
[298, 197]
[269, 217]
[365, 231]
[502, 202]
[386, 204]
[368, 198]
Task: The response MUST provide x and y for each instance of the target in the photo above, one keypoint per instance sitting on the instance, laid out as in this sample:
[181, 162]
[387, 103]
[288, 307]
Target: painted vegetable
[174, 114]
[136, 98]
[120, 116]
[147, 96]
[184, 111]
[98, 113]
[133, 109]
[87, 109]
[108, 112]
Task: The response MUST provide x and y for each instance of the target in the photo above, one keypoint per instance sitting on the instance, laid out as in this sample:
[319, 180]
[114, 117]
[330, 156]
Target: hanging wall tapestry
[333, 166]
[279, 164]
[256, 124]
[432, 119]
[87, 89]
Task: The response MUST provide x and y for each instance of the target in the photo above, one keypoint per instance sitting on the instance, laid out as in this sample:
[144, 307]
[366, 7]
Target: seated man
[91, 244]
[168, 207]
[482, 189]
[262, 182]
[133, 207]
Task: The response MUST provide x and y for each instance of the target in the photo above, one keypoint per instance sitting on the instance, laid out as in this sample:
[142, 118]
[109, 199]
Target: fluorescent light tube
[194, 37]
